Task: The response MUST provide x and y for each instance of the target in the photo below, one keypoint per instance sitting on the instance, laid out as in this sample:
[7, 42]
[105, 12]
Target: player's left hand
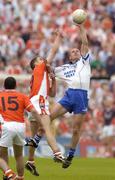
[50, 71]
[52, 75]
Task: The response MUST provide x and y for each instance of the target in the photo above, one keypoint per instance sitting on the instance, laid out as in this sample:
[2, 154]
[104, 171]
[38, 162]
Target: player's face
[74, 55]
[39, 60]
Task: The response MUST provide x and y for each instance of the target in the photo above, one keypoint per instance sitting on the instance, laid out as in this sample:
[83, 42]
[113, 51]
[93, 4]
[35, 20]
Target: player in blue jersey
[76, 74]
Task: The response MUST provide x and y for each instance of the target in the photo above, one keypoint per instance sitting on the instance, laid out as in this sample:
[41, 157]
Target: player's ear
[37, 59]
[69, 57]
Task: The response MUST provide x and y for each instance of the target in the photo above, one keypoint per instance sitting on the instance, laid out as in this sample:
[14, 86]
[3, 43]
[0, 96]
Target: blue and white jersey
[77, 75]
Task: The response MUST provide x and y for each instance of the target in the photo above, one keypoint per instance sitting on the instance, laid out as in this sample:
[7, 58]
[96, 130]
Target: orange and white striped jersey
[40, 85]
[40, 81]
[13, 104]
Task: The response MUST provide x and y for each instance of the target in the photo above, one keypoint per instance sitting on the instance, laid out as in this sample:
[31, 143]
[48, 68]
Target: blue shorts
[75, 100]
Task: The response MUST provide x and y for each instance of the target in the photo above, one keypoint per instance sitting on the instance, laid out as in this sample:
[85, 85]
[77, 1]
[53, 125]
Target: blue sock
[37, 138]
[71, 153]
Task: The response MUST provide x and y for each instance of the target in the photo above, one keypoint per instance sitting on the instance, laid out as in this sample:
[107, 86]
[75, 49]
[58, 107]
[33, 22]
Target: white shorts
[41, 107]
[107, 131]
[12, 133]
[30, 117]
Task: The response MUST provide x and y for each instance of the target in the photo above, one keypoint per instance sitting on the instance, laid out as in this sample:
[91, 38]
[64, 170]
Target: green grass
[81, 169]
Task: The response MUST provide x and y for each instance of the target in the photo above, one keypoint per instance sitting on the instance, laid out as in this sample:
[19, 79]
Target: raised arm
[52, 91]
[84, 45]
[55, 47]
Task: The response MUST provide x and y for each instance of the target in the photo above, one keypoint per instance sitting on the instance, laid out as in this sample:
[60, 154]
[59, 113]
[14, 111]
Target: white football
[79, 16]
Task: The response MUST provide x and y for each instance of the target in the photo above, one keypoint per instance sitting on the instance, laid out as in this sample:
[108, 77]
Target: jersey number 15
[10, 103]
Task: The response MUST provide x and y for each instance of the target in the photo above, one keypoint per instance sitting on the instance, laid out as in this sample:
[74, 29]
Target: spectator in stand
[28, 17]
[64, 127]
[104, 54]
[14, 68]
[108, 131]
[110, 66]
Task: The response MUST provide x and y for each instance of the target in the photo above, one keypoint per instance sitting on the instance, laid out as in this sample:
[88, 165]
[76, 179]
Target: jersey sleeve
[39, 68]
[59, 71]
[87, 58]
[28, 104]
[37, 77]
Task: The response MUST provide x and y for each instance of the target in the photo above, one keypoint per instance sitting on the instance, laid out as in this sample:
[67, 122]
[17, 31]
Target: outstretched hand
[58, 33]
[52, 75]
[79, 25]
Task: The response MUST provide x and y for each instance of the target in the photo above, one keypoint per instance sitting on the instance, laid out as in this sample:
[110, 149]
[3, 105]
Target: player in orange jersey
[40, 90]
[42, 108]
[12, 107]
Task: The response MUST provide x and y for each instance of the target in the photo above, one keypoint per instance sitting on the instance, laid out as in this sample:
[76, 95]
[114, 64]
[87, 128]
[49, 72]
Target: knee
[18, 154]
[18, 157]
[3, 152]
[51, 117]
[77, 128]
[41, 130]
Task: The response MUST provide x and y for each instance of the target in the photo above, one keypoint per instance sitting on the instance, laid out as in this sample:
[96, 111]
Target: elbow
[52, 94]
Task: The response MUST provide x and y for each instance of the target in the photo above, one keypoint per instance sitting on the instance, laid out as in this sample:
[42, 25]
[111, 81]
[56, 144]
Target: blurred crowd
[28, 26]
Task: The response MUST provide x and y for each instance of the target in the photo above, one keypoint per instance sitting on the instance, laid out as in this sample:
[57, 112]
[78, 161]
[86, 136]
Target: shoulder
[87, 57]
[62, 66]
[39, 66]
[20, 95]
[2, 93]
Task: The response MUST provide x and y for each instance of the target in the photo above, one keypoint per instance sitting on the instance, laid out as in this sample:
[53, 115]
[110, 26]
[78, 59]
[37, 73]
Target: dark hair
[10, 83]
[32, 63]
[33, 60]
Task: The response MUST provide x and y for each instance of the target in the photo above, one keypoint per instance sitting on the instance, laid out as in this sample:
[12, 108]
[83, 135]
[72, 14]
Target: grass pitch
[81, 169]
